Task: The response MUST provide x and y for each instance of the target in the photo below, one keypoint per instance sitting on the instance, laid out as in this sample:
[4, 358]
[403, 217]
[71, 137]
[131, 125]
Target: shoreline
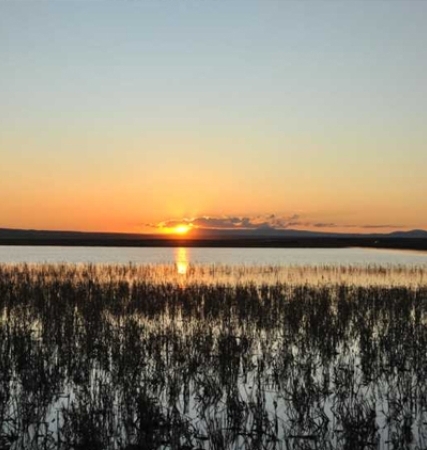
[415, 244]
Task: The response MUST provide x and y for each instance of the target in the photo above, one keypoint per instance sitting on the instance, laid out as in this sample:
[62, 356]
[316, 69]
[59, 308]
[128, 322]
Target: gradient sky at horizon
[115, 115]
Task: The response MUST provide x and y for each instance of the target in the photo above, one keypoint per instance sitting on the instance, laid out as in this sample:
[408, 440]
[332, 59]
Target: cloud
[383, 226]
[325, 225]
[261, 222]
[270, 221]
[339, 225]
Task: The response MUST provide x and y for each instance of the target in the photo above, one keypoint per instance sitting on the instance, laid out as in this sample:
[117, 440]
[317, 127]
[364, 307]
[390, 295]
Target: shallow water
[225, 256]
[100, 357]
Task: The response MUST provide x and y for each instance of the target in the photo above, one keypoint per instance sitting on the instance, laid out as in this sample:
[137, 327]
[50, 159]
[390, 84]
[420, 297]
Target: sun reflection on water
[181, 260]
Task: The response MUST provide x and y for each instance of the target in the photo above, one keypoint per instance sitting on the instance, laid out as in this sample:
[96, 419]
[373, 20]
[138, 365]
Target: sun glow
[181, 260]
[181, 229]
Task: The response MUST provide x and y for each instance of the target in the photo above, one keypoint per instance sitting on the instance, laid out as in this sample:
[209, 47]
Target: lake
[192, 347]
[210, 256]
[103, 357]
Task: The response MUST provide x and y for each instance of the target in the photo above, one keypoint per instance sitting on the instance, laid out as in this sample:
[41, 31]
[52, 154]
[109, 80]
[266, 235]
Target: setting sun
[181, 229]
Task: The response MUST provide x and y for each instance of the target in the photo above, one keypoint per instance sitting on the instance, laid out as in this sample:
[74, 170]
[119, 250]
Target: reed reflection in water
[130, 357]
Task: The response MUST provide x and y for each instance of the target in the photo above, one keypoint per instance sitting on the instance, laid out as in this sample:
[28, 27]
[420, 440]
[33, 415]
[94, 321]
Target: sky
[130, 116]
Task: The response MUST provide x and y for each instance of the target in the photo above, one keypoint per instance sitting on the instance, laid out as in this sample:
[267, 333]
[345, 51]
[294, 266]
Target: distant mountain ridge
[261, 238]
[419, 234]
[292, 233]
[14, 233]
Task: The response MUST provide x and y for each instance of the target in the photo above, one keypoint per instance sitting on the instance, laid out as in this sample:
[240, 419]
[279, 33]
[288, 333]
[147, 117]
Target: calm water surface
[227, 256]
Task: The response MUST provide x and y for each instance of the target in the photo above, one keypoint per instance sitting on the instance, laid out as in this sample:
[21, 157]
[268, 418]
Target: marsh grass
[142, 357]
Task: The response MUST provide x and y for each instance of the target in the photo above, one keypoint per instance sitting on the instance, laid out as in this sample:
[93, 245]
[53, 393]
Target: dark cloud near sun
[234, 222]
[261, 222]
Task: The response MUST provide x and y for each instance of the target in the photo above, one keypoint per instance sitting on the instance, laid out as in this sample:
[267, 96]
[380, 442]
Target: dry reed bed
[367, 275]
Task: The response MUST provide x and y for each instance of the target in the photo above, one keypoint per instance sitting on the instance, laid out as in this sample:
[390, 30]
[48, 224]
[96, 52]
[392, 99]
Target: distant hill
[12, 233]
[291, 233]
[265, 237]
[415, 234]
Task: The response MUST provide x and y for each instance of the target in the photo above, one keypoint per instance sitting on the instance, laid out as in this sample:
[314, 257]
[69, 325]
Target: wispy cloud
[259, 222]
[270, 221]
[340, 225]
[383, 226]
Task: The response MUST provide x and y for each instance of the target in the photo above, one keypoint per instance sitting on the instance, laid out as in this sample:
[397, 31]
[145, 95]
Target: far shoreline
[417, 244]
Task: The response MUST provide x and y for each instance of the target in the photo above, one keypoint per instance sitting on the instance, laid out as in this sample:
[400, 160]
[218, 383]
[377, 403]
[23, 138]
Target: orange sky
[122, 118]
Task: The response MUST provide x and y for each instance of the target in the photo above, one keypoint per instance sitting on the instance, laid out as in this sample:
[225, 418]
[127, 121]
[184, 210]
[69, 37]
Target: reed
[142, 357]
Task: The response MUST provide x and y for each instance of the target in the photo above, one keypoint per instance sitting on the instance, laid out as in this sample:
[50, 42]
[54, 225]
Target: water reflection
[181, 260]
[330, 366]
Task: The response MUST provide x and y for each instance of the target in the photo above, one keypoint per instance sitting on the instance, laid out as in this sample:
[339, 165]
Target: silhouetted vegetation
[128, 357]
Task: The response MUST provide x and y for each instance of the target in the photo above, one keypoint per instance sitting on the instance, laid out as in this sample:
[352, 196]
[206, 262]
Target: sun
[181, 229]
